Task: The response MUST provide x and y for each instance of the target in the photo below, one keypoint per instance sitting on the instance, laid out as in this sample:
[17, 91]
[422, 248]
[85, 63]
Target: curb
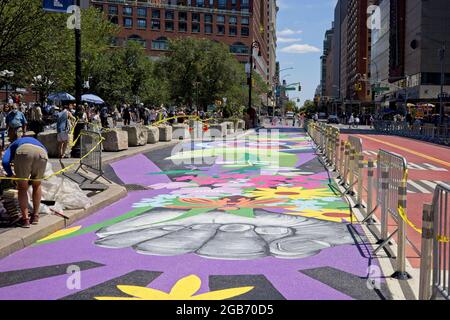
[18, 238]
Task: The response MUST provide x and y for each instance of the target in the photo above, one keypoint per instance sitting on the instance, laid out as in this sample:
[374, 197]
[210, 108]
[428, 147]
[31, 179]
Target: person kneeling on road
[30, 161]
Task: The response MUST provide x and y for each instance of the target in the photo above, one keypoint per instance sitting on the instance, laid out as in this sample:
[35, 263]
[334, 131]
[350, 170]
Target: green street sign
[381, 89]
[291, 89]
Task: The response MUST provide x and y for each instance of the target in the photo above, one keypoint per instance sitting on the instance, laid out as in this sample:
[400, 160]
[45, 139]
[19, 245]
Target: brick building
[236, 23]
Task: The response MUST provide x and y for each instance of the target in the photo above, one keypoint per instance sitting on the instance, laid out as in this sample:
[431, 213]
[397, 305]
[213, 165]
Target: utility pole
[78, 80]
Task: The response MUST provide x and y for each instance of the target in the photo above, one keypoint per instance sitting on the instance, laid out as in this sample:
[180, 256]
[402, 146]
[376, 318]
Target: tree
[200, 70]
[290, 106]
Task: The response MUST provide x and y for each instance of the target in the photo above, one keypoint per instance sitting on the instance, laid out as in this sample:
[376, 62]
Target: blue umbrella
[61, 96]
[92, 98]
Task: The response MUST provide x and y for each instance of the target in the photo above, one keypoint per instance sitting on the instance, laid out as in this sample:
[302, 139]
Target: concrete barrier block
[50, 142]
[137, 135]
[153, 135]
[196, 129]
[165, 133]
[180, 132]
[217, 130]
[240, 125]
[115, 140]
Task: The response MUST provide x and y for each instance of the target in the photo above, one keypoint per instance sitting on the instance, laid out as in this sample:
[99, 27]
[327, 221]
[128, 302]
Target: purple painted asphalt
[283, 274]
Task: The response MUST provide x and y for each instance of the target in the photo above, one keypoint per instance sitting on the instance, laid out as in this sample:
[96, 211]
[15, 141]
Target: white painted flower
[159, 201]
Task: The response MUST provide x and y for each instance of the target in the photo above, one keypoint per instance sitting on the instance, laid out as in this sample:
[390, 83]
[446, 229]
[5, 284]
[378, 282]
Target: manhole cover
[134, 187]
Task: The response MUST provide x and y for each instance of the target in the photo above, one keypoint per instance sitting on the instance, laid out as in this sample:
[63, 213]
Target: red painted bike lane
[429, 164]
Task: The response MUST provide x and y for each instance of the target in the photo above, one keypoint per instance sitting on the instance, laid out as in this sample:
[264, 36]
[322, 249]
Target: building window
[244, 21]
[195, 28]
[232, 20]
[170, 15]
[127, 22]
[239, 48]
[208, 28]
[112, 10]
[138, 40]
[142, 12]
[182, 16]
[160, 44]
[208, 18]
[127, 11]
[169, 26]
[221, 19]
[233, 31]
[142, 23]
[220, 29]
[156, 25]
[245, 31]
[114, 19]
[182, 27]
[156, 14]
[195, 17]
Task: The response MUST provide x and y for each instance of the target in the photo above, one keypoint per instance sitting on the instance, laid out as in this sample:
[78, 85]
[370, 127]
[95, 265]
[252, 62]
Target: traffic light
[299, 88]
[358, 86]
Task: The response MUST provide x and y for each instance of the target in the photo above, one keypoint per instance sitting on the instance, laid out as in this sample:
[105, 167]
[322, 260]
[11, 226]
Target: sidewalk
[15, 239]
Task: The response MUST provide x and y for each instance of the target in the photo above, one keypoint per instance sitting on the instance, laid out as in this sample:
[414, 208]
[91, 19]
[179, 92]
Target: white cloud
[300, 49]
[288, 40]
[288, 32]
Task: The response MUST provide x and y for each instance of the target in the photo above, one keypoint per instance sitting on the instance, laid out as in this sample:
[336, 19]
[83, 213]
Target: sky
[301, 26]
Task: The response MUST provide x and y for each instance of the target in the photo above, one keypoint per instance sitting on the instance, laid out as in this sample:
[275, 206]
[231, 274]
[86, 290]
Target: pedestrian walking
[16, 124]
[63, 129]
[104, 113]
[126, 116]
[351, 121]
[357, 121]
[36, 119]
[30, 160]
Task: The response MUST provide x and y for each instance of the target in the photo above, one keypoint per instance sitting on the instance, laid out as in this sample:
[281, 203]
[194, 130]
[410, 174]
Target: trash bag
[66, 193]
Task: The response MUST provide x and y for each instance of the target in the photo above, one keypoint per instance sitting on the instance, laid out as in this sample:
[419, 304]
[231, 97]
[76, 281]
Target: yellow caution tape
[60, 171]
[402, 213]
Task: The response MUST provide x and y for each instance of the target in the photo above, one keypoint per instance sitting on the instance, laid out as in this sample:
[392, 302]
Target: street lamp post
[255, 45]
[6, 74]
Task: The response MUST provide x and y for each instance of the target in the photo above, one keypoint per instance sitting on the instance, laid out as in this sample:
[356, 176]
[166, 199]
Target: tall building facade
[405, 53]
[236, 23]
[326, 69]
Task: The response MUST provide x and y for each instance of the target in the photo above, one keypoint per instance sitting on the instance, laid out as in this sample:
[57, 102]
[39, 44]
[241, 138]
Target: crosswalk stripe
[414, 166]
[431, 184]
[434, 168]
[443, 183]
[418, 187]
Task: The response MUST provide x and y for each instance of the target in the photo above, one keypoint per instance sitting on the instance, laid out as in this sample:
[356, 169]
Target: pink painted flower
[267, 181]
[203, 192]
[172, 185]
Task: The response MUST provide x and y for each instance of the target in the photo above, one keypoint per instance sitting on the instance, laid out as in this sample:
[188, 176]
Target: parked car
[290, 115]
[333, 119]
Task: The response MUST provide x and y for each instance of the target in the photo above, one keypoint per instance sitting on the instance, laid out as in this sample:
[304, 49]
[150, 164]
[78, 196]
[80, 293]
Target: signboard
[57, 5]
[61, 6]
[290, 89]
[380, 89]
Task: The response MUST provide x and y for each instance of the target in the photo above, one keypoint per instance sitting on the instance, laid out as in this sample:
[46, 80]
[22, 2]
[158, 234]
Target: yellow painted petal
[185, 288]
[144, 293]
[117, 298]
[60, 233]
[223, 294]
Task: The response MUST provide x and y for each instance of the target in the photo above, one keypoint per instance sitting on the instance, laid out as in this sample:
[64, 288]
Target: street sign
[61, 6]
[57, 5]
[290, 89]
[380, 89]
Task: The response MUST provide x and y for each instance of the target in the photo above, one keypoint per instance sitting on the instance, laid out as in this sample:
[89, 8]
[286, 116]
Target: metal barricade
[441, 245]
[392, 176]
[91, 152]
[356, 168]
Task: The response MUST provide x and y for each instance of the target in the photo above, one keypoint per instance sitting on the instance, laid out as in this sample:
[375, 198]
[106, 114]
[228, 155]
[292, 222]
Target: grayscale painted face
[218, 235]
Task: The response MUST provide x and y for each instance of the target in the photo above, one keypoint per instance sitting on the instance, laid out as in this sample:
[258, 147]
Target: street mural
[248, 218]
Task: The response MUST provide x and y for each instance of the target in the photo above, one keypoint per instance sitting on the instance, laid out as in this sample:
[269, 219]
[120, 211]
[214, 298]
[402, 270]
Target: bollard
[336, 154]
[384, 213]
[370, 173]
[346, 163]
[341, 159]
[401, 273]
[426, 260]
[352, 165]
[360, 181]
